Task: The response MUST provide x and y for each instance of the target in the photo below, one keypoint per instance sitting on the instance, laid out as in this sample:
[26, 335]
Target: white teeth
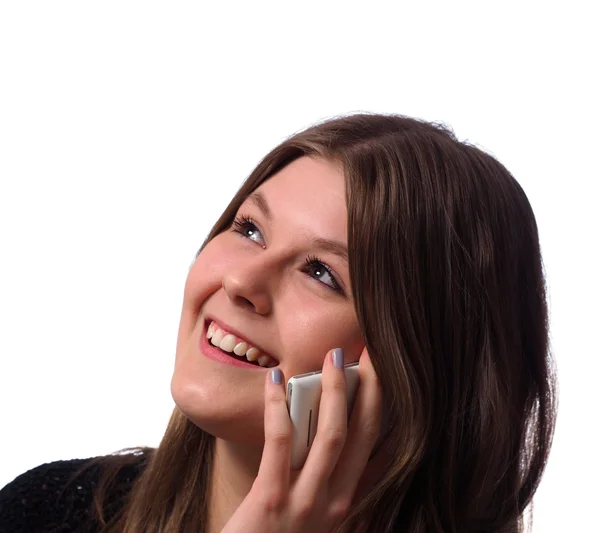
[228, 343]
[217, 338]
[252, 354]
[211, 330]
[263, 360]
[240, 348]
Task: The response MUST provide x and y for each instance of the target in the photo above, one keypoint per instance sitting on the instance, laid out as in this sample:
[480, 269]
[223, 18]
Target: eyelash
[242, 223]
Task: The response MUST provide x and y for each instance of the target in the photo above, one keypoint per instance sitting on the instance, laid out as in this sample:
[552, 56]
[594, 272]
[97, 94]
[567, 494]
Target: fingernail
[276, 376]
[338, 358]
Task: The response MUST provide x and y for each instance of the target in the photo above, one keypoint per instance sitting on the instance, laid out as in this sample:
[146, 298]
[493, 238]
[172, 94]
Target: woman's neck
[235, 468]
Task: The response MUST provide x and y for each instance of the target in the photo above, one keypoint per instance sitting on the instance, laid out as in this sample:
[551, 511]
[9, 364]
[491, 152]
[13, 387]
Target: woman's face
[277, 280]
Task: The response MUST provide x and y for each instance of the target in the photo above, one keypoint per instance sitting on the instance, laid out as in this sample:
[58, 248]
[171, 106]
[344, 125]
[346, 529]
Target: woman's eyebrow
[335, 247]
[257, 198]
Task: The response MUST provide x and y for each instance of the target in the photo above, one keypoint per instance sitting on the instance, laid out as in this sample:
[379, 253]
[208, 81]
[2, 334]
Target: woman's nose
[248, 286]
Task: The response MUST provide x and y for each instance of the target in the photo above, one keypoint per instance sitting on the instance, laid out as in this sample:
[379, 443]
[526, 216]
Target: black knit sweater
[43, 500]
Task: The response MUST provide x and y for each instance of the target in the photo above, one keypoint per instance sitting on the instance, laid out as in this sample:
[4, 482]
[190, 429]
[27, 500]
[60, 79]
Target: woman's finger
[274, 470]
[331, 428]
[363, 431]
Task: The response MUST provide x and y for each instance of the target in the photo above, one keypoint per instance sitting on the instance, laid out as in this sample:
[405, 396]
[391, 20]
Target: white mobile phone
[303, 399]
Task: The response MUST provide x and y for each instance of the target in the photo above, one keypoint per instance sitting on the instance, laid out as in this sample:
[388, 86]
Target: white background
[125, 128]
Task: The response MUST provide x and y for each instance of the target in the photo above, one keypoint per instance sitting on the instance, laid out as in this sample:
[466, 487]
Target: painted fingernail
[338, 358]
[276, 376]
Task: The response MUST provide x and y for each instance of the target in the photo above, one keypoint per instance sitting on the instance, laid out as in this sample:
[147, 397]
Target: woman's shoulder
[57, 496]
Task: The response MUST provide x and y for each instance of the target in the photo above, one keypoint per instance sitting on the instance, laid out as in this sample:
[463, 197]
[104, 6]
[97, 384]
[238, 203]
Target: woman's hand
[318, 497]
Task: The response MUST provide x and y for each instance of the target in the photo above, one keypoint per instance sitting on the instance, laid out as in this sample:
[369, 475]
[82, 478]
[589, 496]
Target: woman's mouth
[235, 348]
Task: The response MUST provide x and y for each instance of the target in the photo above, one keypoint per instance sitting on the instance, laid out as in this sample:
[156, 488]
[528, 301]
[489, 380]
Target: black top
[43, 501]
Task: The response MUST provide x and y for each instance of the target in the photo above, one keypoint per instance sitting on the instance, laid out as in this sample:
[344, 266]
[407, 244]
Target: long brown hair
[450, 294]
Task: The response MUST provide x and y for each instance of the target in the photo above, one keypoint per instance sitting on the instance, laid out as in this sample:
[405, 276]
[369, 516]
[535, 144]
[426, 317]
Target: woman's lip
[208, 350]
[231, 330]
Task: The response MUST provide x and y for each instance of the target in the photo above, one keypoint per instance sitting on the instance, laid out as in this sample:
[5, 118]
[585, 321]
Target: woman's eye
[318, 270]
[315, 268]
[246, 227]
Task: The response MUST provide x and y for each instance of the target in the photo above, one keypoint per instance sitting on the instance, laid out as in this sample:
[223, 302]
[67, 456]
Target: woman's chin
[231, 417]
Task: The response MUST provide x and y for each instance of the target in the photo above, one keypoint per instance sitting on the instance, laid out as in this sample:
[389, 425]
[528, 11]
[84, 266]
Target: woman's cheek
[206, 274]
[318, 329]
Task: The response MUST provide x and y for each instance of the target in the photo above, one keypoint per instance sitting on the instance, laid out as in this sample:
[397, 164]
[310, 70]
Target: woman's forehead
[309, 194]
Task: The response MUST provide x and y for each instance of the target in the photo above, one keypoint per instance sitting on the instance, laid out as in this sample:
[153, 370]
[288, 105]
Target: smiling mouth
[236, 347]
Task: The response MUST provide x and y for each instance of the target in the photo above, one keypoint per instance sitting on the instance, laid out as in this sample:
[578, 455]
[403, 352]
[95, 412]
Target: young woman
[372, 238]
